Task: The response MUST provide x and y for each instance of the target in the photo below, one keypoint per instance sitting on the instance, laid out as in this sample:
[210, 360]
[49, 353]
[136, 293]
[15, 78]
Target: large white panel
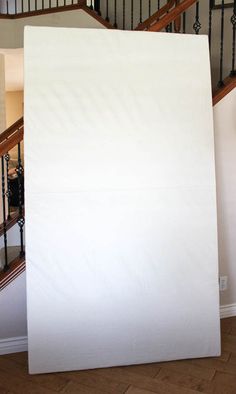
[120, 199]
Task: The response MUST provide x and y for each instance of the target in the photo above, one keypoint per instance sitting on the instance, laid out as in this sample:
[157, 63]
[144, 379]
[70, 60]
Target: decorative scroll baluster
[221, 83]
[115, 14]
[123, 14]
[197, 25]
[21, 220]
[233, 21]
[8, 192]
[107, 11]
[4, 215]
[141, 11]
[132, 14]
[211, 4]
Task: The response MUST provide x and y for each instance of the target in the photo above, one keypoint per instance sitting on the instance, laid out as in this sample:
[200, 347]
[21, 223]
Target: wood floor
[211, 375]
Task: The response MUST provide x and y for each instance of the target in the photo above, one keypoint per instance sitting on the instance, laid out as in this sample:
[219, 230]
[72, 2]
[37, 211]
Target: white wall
[225, 146]
[14, 106]
[11, 31]
[13, 310]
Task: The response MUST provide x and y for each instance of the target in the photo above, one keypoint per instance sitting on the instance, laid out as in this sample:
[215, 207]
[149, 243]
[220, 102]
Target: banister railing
[156, 16]
[122, 14]
[170, 15]
[12, 187]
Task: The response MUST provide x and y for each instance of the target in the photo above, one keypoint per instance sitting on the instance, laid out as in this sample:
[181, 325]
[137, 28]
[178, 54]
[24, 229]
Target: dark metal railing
[12, 187]
[126, 14]
[233, 21]
[14, 7]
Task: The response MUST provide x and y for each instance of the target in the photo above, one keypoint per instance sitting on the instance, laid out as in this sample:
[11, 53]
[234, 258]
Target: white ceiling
[14, 69]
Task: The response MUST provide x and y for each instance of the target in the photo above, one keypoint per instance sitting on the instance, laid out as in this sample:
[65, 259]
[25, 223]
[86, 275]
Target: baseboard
[20, 344]
[13, 345]
[227, 311]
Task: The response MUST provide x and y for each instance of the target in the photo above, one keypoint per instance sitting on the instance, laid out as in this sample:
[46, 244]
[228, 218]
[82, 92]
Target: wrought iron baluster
[197, 25]
[115, 14]
[132, 14]
[7, 8]
[211, 4]
[168, 27]
[22, 5]
[221, 83]
[141, 11]
[4, 215]
[233, 21]
[50, 3]
[107, 11]
[97, 6]
[28, 5]
[15, 6]
[43, 4]
[184, 22]
[158, 4]
[21, 220]
[149, 8]
[91, 4]
[123, 14]
[8, 192]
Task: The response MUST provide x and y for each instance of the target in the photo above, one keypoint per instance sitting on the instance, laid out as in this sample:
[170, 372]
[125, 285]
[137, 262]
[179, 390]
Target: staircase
[179, 16]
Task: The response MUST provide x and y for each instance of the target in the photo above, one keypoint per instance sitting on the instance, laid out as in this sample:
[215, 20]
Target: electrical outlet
[223, 283]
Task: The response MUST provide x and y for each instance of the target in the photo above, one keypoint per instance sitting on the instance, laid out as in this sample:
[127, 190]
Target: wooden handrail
[156, 16]
[172, 15]
[220, 93]
[12, 129]
[11, 136]
[10, 222]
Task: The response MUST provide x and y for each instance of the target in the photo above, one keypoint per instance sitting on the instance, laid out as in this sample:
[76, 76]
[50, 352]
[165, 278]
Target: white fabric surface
[121, 234]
